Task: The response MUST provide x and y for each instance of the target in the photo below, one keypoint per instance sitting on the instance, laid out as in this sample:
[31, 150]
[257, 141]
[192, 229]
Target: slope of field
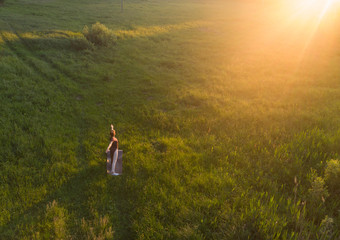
[227, 112]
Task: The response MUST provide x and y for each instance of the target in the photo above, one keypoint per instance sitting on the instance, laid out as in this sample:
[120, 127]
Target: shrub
[99, 34]
[326, 228]
[80, 43]
[318, 193]
[317, 196]
[332, 176]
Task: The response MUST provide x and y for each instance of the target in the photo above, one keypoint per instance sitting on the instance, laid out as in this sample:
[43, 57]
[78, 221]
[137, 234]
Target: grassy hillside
[227, 112]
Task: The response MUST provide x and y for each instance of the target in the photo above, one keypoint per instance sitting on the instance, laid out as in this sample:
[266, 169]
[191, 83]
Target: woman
[113, 148]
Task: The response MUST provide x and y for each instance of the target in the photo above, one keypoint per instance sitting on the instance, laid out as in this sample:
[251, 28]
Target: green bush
[317, 196]
[332, 176]
[318, 192]
[80, 43]
[326, 228]
[99, 34]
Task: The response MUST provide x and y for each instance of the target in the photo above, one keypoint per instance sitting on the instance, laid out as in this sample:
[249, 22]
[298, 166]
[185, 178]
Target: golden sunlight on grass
[153, 30]
[313, 22]
[138, 31]
[289, 33]
[10, 36]
[50, 34]
[227, 113]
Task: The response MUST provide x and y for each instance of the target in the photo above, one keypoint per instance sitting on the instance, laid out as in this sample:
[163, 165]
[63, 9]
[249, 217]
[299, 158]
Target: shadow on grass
[74, 197]
[74, 194]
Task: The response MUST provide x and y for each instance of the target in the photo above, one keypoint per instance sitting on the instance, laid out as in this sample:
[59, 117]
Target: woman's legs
[111, 155]
[114, 158]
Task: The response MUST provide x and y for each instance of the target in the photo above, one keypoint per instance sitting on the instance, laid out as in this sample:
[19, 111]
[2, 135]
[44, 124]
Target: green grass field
[228, 113]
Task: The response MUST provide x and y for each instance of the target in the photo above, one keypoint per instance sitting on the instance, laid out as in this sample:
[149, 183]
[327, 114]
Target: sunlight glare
[309, 16]
[312, 7]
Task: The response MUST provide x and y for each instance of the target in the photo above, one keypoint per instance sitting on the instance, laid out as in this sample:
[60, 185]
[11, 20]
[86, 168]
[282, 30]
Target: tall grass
[227, 132]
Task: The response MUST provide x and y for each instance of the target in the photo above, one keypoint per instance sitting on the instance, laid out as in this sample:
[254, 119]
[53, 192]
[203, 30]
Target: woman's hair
[113, 133]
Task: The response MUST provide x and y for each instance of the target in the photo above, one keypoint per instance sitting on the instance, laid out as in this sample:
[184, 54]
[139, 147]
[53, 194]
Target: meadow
[228, 113]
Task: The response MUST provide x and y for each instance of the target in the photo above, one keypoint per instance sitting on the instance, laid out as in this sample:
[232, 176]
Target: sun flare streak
[317, 24]
[309, 16]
